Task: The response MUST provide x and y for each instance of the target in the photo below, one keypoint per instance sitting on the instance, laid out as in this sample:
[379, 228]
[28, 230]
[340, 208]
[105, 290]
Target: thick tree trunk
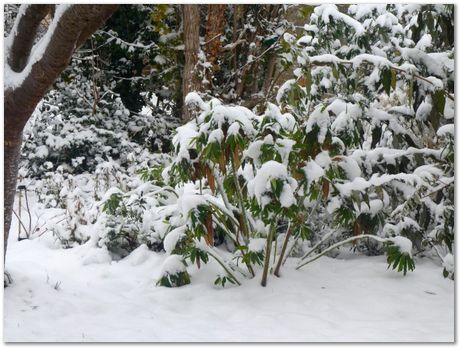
[214, 31]
[12, 149]
[190, 82]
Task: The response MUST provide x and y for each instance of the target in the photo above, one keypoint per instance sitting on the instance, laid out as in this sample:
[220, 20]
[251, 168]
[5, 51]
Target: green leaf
[439, 101]
[386, 80]
[306, 11]
[335, 72]
[308, 80]
[393, 79]
[410, 91]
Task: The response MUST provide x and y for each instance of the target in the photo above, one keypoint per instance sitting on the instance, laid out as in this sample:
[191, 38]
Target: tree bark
[214, 31]
[12, 148]
[190, 82]
[27, 26]
[73, 27]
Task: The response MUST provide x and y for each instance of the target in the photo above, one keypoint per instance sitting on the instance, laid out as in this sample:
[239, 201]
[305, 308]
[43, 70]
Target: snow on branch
[14, 78]
[379, 62]
[47, 58]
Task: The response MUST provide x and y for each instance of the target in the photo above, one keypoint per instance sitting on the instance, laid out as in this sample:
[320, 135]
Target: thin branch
[298, 237]
[211, 40]
[272, 46]
[130, 44]
[336, 245]
[221, 262]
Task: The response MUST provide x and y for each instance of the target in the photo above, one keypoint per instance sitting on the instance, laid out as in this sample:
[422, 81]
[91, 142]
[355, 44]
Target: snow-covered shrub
[238, 176]
[127, 218]
[82, 124]
[385, 97]
[174, 273]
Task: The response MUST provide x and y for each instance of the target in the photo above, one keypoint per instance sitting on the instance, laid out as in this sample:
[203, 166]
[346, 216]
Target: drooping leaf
[386, 77]
[439, 101]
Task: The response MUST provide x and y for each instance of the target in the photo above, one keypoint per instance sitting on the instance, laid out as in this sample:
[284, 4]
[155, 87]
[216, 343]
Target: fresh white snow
[56, 296]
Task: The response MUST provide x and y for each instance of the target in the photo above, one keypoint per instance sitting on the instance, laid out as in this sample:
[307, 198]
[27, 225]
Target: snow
[363, 10]
[449, 263]
[449, 109]
[284, 88]
[257, 244]
[189, 199]
[183, 138]
[173, 265]
[424, 42]
[93, 292]
[448, 129]
[216, 136]
[270, 170]
[323, 159]
[319, 118]
[286, 120]
[193, 98]
[119, 302]
[346, 113]
[229, 114]
[284, 148]
[287, 196]
[254, 149]
[172, 238]
[404, 244]
[313, 171]
[234, 129]
[351, 167]
[360, 184]
[326, 11]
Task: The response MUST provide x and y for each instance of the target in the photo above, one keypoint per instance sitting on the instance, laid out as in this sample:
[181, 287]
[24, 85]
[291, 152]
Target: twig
[336, 245]
[297, 238]
[131, 44]
[264, 52]
[220, 262]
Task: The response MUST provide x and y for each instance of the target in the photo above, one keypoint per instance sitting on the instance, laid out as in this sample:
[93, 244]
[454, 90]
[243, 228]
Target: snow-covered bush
[378, 82]
[239, 179]
[82, 123]
[358, 151]
[128, 218]
[174, 273]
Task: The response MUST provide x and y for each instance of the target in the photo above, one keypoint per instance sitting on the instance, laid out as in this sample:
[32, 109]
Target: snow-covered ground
[78, 294]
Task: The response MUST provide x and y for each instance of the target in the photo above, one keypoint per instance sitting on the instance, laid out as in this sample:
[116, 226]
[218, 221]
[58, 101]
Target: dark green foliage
[174, 280]
[398, 260]
[113, 203]
[222, 280]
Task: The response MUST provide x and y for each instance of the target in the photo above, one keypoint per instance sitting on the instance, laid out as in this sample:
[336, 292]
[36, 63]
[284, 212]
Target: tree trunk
[214, 31]
[190, 82]
[12, 149]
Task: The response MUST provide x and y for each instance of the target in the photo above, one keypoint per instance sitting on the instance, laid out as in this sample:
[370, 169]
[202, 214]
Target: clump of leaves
[400, 261]
[174, 280]
[222, 280]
